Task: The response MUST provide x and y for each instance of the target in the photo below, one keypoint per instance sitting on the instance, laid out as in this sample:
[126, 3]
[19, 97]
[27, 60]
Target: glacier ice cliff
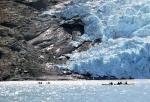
[124, 28]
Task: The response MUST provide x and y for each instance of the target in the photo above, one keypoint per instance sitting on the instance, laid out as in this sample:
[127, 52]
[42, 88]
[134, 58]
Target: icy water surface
[74, 91]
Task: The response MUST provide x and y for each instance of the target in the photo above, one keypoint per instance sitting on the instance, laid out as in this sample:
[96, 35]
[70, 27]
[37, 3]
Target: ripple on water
[73, 91]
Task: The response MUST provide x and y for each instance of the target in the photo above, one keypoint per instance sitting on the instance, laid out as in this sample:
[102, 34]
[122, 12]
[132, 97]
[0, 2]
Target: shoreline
[64, 77]
[78, 80]
[74, 82]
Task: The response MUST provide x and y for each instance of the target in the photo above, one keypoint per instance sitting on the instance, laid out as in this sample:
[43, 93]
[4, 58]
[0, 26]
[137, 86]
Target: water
[74, 91]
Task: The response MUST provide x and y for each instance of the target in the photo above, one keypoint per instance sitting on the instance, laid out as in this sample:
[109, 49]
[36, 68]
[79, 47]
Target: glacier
[123, 26]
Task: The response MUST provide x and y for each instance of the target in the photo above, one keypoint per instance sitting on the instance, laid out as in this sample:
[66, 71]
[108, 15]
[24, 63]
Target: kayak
[120, 84]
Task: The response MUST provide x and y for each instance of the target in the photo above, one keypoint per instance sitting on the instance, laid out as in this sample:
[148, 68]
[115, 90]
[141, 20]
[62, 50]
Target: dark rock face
[16, 57]
[19, 26]
[39, 4]
[29, 41]
[18, 60]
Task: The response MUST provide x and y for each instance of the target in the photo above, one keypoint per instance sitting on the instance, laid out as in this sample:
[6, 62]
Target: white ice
[124, 26]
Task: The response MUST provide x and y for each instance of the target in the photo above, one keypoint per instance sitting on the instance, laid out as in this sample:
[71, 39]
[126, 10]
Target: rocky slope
[24, 53]
[49, 39]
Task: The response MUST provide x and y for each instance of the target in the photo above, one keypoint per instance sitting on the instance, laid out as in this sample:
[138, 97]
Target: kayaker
[39, 82]
[126, 83]
[111, 83]
[48, 82]
[118, 83]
